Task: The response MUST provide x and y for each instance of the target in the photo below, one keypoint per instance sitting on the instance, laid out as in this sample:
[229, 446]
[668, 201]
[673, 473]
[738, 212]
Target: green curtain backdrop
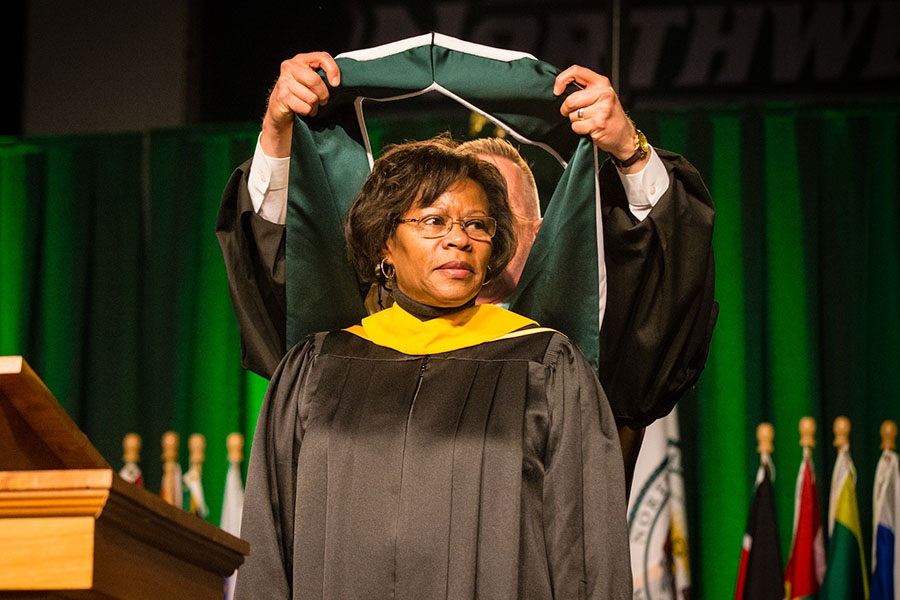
[112, 287]
[808, 281]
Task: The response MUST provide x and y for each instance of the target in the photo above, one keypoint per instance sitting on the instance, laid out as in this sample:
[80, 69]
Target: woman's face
[448, 270]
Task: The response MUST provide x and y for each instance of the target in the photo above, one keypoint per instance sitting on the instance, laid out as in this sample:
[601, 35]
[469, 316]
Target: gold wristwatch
[641, 148]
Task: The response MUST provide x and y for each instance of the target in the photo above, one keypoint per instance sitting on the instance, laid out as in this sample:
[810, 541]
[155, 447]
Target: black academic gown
[660, 309]
[490, 472]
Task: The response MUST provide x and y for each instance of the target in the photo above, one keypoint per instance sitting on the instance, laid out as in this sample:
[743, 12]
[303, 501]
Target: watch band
[641, 148]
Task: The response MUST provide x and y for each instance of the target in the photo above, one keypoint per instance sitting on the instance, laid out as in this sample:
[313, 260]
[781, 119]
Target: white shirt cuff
[644, 188]
[267, 184]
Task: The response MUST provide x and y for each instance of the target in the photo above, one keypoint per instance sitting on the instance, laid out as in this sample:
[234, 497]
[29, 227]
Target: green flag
[845, 576]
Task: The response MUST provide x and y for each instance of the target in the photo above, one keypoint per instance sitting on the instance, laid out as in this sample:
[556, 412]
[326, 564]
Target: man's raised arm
[250, 225]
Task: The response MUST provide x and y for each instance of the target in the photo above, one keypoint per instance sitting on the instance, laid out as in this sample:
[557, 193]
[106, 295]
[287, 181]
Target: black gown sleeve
[660, 309]
[584, 505]
[269, 502]
[253, 249]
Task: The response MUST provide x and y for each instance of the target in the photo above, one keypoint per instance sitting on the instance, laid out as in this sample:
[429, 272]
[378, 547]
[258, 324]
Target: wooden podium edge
[24, 390]
[139, 514]
[88, 486]
[148, 517]
[121, 541]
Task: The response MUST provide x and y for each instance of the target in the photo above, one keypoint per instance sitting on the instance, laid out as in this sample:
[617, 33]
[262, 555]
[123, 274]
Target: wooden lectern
[70, 527]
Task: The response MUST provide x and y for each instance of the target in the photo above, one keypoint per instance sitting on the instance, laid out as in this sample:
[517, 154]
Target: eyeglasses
[435, 226]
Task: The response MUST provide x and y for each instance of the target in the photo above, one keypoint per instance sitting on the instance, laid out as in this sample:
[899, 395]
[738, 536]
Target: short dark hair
[415, 174]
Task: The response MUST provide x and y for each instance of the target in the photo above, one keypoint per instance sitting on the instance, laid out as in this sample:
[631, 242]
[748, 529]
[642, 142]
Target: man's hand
[595, 110]
[298, 90]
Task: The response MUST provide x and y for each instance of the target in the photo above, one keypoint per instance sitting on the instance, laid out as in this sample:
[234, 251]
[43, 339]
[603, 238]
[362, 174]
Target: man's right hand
[299, 90]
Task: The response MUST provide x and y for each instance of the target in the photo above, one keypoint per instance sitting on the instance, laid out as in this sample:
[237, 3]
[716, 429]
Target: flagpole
[131, 456]
[841, 430]
[170, 490]
[615, 53]
[194, 477]
[760, 574]
[846, 575]
[233, 500]
[805, 568]
[886, 518]
[765, 436]
[888, 433]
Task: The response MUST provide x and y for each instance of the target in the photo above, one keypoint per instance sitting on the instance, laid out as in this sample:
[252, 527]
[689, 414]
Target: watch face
[642, 145]
[641, 148]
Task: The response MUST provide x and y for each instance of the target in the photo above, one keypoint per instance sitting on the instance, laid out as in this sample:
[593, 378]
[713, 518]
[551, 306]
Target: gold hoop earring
[387, 269]
[384, 273]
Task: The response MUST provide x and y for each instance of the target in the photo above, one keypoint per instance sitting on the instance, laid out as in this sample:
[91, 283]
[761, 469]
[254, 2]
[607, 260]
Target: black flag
[761, 576]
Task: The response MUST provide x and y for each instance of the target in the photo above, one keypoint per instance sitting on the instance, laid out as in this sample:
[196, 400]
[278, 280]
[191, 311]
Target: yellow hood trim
[397, 329]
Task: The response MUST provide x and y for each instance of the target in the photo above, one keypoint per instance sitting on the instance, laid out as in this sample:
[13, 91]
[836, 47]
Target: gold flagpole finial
[131, 448]
[235, 444]
[808, 432]
[841, 432]
[765, 435]
[888, 435]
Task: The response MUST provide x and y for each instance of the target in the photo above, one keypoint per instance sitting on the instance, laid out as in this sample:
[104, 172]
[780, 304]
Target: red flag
[806, 565]
[132, 474]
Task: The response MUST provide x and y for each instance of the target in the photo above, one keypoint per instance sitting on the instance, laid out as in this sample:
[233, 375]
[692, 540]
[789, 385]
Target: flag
[805, 568]
[232, 510]
[170, 490]
[657, 526]
[131, 454]
[194, 483]
[846, 576]
[760, 576]
[131, 473]
[886, 518]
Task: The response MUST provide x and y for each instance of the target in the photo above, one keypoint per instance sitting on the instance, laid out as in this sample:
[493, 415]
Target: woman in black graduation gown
[438, 449]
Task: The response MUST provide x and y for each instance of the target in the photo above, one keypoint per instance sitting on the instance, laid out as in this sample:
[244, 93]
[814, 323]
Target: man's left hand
[595, 110]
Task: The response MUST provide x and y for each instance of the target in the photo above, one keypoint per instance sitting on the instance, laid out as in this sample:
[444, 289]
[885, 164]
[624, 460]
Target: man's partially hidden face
[525, 206]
